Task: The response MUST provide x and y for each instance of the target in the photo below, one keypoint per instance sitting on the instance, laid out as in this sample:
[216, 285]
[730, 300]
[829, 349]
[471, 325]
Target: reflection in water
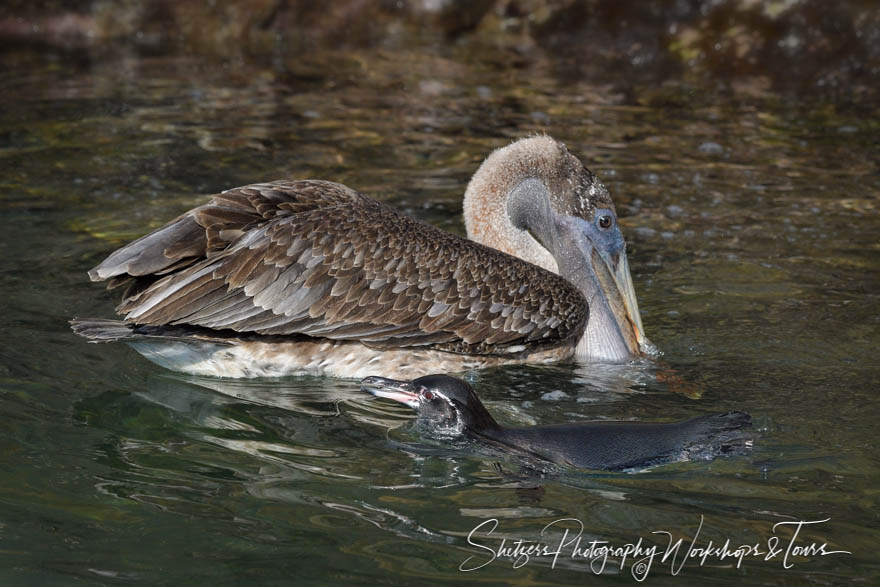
[245, 439]
[307, 395]
[234, 451]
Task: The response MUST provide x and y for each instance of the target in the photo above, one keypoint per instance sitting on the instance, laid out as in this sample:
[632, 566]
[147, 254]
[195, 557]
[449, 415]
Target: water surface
[753, 228]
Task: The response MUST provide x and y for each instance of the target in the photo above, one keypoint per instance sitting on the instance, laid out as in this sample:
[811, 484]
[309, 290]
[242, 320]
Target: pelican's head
[535, 200]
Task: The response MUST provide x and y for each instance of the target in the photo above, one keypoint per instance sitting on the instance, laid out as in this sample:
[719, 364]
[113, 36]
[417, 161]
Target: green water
[753, 234]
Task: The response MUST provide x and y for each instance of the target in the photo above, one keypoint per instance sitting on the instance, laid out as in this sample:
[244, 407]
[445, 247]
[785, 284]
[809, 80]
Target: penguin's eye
[427, 395]
[605, 221]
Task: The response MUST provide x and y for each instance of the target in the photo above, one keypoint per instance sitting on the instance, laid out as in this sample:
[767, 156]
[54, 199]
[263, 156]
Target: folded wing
[317, 258]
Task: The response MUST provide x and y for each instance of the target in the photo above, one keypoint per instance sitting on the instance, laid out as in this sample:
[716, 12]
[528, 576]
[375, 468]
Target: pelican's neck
[485, 201]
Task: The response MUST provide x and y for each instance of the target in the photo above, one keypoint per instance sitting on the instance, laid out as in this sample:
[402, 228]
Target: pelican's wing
[320, 259]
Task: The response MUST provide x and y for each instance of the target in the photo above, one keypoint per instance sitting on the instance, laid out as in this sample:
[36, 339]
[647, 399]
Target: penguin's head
[442, 402]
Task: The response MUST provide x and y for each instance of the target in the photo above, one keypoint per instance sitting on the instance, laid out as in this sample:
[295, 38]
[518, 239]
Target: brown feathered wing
[317, 258]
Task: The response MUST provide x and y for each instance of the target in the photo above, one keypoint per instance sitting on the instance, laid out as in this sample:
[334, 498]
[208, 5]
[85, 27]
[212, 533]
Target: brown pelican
[311, 276]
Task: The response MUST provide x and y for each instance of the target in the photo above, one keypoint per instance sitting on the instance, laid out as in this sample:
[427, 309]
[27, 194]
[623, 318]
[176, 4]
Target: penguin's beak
[400, 391]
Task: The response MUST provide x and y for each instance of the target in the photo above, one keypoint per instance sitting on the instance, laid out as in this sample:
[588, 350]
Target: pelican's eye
[605, 221]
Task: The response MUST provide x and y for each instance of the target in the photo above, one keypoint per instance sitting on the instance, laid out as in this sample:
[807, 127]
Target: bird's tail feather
[99, 330]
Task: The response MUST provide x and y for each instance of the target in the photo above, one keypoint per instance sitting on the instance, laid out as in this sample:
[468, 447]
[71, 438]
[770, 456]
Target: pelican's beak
[596, 262]
[623, 296]
[400, 391]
